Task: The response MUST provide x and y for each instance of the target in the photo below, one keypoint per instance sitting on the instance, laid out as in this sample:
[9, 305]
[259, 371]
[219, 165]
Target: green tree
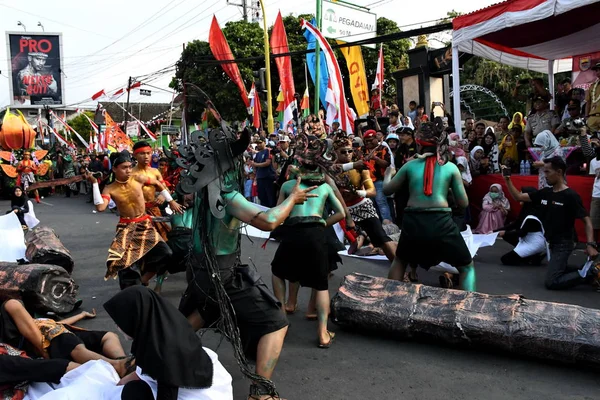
[82, 126]
[245, 39]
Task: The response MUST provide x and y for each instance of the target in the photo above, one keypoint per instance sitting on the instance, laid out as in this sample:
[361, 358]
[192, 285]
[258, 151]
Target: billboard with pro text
[35, 67]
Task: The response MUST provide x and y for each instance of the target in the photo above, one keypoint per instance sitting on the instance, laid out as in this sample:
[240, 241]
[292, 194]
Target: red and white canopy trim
[529, 33]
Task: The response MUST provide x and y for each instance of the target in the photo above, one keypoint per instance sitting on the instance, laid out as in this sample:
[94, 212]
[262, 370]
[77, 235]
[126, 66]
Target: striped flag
[380, 73]
[337, 105]
[305, 105]
[69, 129]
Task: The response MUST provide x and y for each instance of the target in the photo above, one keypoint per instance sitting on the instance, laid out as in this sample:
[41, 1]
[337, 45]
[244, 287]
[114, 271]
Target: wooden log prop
[44, 247]
[539, 329]
[55, 182]
[42, 288]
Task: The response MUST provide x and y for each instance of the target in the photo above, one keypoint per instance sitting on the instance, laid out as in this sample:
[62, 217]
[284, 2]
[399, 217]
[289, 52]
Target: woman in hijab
[550, 148]
[494, 210]
[490, 149]
[154, 161]
[517, 120]
[463, 166]
[509, 154]
[478, 163]
[456, 145]
[169, 355]
[19, 204]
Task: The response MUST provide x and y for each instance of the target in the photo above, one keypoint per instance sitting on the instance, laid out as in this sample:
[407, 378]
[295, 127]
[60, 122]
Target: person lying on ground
[60, 339]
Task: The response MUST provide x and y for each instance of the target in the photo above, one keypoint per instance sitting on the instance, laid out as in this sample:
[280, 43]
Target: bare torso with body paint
[445, 177]
[314, 206]
[148, 172]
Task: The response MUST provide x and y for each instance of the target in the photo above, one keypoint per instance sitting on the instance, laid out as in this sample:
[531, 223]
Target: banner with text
[35, 66]
[358, 78]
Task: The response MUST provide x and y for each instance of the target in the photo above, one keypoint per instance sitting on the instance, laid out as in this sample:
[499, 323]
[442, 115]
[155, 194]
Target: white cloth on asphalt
[13, 239]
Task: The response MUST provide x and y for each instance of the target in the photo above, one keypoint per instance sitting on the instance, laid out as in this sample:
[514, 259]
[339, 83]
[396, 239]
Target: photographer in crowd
[558, 207]
[574, 129]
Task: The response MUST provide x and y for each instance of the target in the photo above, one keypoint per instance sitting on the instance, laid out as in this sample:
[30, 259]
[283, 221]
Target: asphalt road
[356, 366]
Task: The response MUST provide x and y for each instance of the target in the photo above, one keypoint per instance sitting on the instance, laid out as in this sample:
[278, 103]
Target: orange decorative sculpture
[16, 133]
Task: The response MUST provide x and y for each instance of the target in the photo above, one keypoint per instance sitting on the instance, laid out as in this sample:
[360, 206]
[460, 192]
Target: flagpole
[318, 62]
[270, 124]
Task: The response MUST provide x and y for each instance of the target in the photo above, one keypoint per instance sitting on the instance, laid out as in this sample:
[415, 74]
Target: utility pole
[244, 7]
[127, 106]
[268, 72]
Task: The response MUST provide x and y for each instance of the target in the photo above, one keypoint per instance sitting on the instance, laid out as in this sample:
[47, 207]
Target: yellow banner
[358, 77]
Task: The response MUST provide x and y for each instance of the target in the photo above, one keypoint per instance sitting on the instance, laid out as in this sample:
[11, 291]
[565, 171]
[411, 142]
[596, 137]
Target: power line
[52, 20]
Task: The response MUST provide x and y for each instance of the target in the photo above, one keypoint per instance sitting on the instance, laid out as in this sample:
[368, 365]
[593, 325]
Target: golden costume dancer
[138, 252]
[143, 155]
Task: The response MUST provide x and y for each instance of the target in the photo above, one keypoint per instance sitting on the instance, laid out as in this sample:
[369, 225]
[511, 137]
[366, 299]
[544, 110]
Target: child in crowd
[494, 210]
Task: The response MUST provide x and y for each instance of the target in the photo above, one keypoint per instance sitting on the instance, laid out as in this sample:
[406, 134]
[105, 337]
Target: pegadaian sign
[344, 22]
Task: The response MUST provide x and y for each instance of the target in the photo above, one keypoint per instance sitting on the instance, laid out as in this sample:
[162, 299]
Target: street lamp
[268, 68]
[19, 23]
[42, 26]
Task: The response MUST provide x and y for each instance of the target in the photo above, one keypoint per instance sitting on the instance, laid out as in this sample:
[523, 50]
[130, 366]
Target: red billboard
[35, 66]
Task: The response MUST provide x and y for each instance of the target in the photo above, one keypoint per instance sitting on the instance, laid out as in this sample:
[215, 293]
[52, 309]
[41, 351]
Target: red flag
[256, 120]
[135, 85]
[118, 92]
[279, 45]
[221, 51]
[98, 95]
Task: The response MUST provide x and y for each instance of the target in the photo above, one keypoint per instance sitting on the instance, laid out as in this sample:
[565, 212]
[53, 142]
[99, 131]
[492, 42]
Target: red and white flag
[63, 121]
[96, 96]
[279, 45]
[337, 104]
[380, 73]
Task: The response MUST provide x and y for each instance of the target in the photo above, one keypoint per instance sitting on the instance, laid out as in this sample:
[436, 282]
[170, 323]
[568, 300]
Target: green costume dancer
[429, 236]
[222, 292]
[303, 254]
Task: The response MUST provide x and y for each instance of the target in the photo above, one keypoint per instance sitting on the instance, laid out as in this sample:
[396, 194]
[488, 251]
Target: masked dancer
[303, 254]
[222, 292]
[137, 252]
[429, 235]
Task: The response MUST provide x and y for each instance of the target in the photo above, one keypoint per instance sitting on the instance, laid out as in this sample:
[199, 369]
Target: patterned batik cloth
[363, 210]
[163, 228]
[132, 241]
[27, 179]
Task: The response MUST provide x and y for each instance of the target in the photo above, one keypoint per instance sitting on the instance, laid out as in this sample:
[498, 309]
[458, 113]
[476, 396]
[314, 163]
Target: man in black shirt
[558, 208]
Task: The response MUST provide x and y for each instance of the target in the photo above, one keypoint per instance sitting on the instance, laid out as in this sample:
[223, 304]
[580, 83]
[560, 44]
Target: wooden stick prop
[55, 182]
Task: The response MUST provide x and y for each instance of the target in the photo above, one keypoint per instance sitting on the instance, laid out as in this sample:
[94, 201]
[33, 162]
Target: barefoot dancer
[217, 281]
[357, 190]
[429, 235]
[143, 155]
[138, 252]
[303, 255]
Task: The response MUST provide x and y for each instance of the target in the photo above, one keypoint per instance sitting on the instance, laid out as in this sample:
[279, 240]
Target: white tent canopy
[539, 35]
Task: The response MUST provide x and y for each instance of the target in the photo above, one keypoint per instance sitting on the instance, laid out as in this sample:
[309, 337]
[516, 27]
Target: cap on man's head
[260, 140]
[38, 54]
[357, 142]
[369, 134]
[480, 123]
[392, 136]
[284, 138]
